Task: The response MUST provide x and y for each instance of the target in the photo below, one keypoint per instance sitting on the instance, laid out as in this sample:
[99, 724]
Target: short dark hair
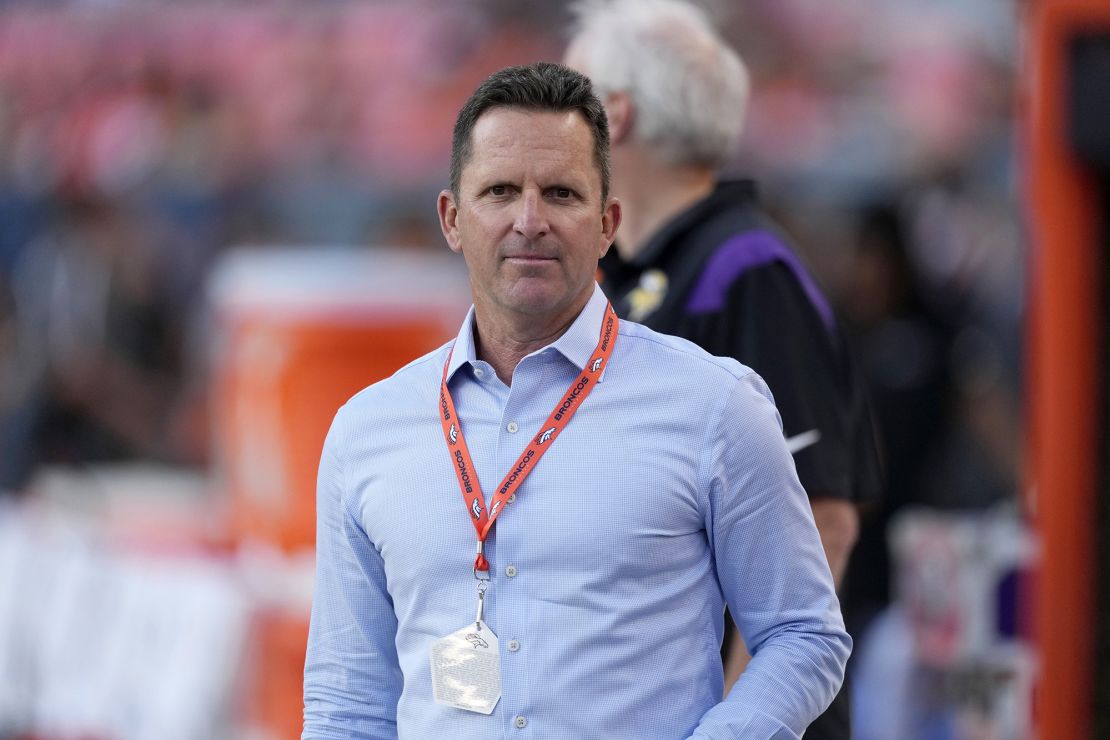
[542, 86]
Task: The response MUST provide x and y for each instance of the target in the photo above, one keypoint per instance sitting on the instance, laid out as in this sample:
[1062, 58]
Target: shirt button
[512, 427]
[520, 722]
[512, 497]
[514, 645]
[479, 372]
[510, 571]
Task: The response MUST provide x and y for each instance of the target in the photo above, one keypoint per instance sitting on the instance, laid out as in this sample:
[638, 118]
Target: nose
[531, 218]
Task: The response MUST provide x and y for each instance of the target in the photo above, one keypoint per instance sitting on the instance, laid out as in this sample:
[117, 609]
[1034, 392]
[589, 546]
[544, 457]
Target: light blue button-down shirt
[670, 493]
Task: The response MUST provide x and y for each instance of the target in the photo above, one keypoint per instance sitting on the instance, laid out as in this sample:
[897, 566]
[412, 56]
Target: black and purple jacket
[722, 275]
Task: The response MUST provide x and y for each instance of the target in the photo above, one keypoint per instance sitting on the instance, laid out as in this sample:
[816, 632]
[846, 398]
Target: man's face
[529, 218]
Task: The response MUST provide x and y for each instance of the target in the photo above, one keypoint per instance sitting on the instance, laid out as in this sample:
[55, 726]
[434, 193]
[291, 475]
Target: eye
[497, 190]
[562, 193]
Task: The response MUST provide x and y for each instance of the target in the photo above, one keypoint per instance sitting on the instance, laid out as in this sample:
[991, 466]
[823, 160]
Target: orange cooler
[298, 332]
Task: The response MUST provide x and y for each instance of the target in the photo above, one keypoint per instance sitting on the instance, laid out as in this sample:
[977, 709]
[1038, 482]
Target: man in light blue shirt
[665, 490]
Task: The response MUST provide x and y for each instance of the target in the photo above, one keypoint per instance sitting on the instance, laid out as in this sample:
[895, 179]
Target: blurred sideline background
[217, 222]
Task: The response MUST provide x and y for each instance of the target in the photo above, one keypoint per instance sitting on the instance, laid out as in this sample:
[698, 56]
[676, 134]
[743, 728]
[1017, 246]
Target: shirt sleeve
[352, 677]
[773, 574]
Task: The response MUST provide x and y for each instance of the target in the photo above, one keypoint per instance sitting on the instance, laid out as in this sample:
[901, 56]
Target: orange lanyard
[463, 463]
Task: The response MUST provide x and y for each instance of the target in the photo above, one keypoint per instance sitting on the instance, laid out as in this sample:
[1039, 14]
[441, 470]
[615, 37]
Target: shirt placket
[520, 418]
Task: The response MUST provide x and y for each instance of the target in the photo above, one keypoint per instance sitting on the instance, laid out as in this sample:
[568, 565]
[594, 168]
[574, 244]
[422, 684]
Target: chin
[539, 306]
[535, 299]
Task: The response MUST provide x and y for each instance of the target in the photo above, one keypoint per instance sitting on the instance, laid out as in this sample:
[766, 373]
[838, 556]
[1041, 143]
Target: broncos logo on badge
[453, 434]
[476, 640]
[545, 436]
[597, 364]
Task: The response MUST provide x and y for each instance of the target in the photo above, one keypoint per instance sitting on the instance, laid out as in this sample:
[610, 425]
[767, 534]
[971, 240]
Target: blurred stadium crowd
[140, 141]
[135, 144]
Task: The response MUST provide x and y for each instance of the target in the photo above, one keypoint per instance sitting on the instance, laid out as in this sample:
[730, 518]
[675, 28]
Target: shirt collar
[462, 352]
[577, 343]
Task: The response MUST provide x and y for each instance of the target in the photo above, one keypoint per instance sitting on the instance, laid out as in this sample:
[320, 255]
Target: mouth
[529, 259]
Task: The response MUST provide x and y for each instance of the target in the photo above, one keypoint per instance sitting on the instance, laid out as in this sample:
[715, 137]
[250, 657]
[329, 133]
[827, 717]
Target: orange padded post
[1064, 384]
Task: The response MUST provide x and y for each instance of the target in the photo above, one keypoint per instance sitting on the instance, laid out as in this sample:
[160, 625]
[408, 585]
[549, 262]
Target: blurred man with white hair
[697, 257]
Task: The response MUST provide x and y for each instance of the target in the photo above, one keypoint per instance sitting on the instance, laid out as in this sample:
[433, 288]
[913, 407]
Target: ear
[621, 114]
[610, 221]
[449, 220]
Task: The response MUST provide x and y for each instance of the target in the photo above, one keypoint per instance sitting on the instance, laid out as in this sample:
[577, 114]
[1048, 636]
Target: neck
[503, 341]
[652, 193]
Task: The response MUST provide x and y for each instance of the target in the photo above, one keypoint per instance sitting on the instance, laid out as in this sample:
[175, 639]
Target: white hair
[689, 88]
